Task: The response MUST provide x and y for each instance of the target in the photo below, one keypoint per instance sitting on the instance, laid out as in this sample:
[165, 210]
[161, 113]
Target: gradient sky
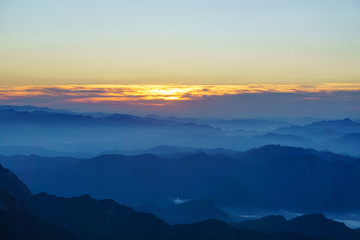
[229, 58]
[46, 42]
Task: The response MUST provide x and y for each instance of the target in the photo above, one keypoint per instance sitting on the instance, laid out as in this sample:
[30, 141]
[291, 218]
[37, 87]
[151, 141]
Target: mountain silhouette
[92, 218]
[86, 218]
[349, 143]
[188, 212]
[11, 184]
[16, 222]
[269, 177]
[322, 131]
[312, 225]
[213, 230]
[67, 133]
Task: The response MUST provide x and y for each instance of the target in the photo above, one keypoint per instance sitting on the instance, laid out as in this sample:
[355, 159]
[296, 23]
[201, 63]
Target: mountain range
[50, 132]
[313, 225]
[270, 177]
[49, 217]
[106, 176]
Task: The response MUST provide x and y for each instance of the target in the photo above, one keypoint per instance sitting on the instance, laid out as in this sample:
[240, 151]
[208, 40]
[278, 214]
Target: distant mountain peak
[345, 121]
[280, 149]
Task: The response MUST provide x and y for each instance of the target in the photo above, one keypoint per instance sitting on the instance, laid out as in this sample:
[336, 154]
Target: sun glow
[160, 94]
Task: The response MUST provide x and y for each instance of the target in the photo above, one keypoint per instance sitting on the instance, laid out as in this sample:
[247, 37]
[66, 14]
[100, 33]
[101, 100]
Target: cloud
[251, 99]
[163, 92]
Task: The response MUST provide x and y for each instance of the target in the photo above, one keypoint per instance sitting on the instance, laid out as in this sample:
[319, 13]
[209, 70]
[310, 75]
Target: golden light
[161, 94]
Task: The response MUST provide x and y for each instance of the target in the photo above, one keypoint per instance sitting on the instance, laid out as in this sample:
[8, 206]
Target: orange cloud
[159, 94]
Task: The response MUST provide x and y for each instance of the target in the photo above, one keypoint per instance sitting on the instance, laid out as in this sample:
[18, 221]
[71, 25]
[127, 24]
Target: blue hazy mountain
[269, 177]
[322, 131]
[67, 190]
[349, 143]
[290, 140]
[256, 125]
[157, 180]
[29, 108]
[312, 225]
[38, 150]
[344, 125]
[72, 134]
[49, 217]
[55, 118]
[215, 230]
[176, 152]
[80, 133]
[268, 152]
[188, 212]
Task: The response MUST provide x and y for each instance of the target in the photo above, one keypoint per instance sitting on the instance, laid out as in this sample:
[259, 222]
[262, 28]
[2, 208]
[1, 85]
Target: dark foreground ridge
[313, 225]
[49, 217]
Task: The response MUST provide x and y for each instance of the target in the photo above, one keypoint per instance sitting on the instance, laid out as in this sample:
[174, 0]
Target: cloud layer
[192, 99]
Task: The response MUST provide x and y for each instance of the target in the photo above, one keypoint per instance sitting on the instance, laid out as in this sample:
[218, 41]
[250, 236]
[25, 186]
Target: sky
[160, 44]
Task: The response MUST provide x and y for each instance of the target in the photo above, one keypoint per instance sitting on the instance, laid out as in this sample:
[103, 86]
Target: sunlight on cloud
[159, 95]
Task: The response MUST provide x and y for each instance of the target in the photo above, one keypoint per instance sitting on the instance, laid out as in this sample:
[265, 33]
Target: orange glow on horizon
[160, 94]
